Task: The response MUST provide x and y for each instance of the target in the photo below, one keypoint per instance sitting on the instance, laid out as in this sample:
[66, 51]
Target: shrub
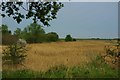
[74, 39]
[41, 38]
[68, 38]
[8, 39]
[113, 53]
[14, 54]
[22, 42]
[52, 37]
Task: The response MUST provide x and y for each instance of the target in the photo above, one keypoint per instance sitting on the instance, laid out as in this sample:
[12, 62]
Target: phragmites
[22, 42]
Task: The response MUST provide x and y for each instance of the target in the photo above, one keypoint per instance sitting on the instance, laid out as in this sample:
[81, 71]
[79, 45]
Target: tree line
[33, 33]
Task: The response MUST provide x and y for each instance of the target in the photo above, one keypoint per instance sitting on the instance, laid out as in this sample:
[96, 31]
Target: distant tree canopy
[68, 38]
[34, 29]
[42, 11]
[4, 29]
[7, 37]
[18, 32]
[52, 36]
[34, 33]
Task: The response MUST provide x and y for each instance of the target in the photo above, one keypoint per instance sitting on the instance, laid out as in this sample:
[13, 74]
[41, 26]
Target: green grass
[96, 69]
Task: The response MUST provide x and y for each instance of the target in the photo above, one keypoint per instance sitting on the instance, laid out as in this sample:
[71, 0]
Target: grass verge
[95, 69]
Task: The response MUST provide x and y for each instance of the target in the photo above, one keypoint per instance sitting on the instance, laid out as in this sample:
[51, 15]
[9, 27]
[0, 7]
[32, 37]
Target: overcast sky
[81, 20]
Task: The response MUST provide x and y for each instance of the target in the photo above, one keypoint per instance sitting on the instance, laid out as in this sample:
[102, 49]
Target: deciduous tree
[37, 11]
[68, 38]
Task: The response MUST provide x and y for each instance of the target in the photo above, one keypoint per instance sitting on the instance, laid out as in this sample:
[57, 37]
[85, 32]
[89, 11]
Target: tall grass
[95, 69]
[64, 60]
[45, 55]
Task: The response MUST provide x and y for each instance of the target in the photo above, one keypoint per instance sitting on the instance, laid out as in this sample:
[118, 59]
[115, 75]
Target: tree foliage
[52, 36]
[68, 38]
[34, 29]
[74, 39]
[42, 11]
[32, 33]
[18, 32]
[4, 29]
[7, 37]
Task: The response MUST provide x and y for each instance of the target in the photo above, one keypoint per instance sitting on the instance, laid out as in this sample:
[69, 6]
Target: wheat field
[42, 56]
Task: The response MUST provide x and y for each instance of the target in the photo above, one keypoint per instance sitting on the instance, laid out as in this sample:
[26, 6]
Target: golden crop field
[42, 56]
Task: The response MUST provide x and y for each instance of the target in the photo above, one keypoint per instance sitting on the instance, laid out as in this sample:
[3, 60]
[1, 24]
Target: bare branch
[24, 8]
